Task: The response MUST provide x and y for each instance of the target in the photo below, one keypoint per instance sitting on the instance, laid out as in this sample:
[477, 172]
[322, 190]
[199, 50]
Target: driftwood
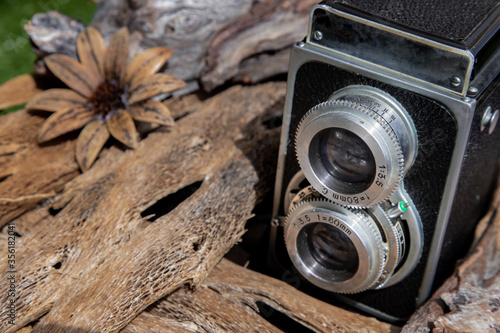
[30, 173]
[231, 299]
[214, 41]
[101, 251]
[19, 91]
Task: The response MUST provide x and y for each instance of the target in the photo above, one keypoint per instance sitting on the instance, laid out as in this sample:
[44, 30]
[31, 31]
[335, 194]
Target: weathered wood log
[18, 90]
[99, 253]
[54, 32]
[231, 299]
[214, 41]
[31, 173]
[98, 262]
[469, 301]
[271, 26]
[50, 33]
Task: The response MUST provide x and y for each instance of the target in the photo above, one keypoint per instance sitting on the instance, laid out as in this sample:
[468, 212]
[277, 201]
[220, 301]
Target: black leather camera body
[389, 150]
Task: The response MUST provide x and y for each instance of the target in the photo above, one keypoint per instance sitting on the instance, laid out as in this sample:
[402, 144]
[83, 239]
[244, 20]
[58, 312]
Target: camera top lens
[355, 148]
[346, 156]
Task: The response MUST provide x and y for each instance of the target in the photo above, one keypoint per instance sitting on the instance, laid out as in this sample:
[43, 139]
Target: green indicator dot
[403, 206]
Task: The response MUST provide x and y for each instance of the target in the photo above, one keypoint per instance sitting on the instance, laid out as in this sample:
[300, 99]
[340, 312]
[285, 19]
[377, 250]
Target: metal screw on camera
[318, 35]
[490, 120]
[472, 92]
[455, 81]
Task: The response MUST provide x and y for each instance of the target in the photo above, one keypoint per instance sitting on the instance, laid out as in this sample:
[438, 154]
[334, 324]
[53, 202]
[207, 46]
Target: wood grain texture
[269, 27]
[230, 300]
[98, 263]
[53, 32]
[30, 173]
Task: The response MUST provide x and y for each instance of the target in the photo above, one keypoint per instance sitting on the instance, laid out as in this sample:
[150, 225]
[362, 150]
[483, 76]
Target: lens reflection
[346, 156]
[331, 248]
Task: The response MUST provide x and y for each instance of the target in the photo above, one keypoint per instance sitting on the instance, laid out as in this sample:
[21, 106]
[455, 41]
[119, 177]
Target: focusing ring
[365, 124]
[360, 231]
[366, 133]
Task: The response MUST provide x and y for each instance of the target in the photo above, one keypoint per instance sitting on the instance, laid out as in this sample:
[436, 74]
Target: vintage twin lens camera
[389, 150]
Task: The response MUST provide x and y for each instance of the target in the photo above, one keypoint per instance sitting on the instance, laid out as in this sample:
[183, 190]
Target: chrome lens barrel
[347, 250]
[355, 148]
[334, 248]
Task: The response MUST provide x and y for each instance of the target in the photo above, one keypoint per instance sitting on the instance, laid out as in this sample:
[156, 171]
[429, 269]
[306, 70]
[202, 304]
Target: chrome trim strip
[409, 36]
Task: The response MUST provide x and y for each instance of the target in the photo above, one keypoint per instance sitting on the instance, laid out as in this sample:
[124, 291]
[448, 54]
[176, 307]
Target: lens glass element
[330, 248]
[346, 156]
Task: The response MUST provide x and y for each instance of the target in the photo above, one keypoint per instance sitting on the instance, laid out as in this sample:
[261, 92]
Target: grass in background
[16, 56]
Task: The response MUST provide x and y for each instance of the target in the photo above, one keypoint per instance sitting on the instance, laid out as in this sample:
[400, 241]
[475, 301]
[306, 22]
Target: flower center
[108, 98]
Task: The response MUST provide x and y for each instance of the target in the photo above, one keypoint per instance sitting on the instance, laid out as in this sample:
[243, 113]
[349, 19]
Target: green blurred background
[16, 56]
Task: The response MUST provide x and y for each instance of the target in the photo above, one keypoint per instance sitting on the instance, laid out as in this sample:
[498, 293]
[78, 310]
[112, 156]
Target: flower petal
[55, 100]
[115, 61]
[17, 91]
[152, 112]
[147, 63]
[91, 50]
[75, 75]
[90, 142]
[65, 121]
[154, 85]
[122, 127]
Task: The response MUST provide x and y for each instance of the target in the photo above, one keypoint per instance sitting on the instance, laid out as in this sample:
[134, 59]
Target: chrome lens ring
[387, 107]
[362, 123]
[355, 232]
[393, 244]
[415, 237]
[294, 187]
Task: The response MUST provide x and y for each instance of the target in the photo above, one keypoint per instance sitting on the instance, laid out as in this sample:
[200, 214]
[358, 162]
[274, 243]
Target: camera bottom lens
[333, 247]
[346, 250]
[329, 248]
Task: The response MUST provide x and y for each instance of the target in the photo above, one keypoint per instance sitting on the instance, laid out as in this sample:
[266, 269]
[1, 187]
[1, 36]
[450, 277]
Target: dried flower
[107, 94]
